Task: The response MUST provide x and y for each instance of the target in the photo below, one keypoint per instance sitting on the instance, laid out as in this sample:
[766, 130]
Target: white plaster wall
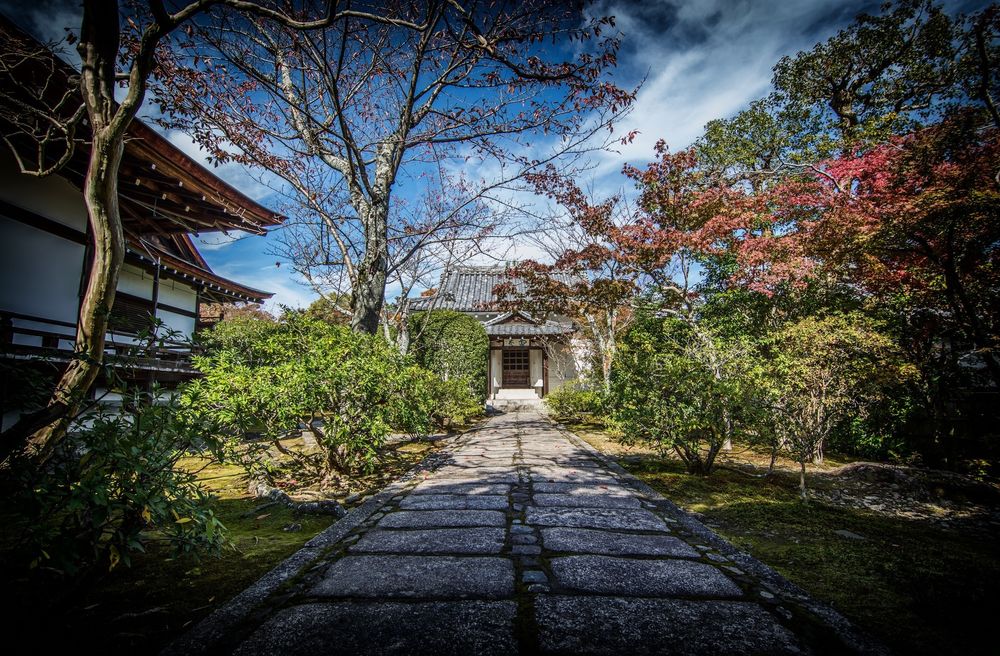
[497, 369]
[39, 272]
[178, 294]
[562, 365]
[183, 325]
[52, 197]
[535, 370]
[135, 281]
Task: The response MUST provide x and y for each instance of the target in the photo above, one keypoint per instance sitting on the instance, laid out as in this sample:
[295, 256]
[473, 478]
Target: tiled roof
[519, 329]
[470, 288]
[518, 324]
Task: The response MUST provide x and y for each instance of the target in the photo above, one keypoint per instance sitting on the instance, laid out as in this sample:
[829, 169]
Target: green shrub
[575, 401]
[352, 389]
[682, 390]
[112, 481]
[452, 345]
[454, 403]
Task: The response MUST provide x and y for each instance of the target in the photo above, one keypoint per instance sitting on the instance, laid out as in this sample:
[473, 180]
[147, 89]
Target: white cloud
[232, 173]
[708, 59]
[279, 281]
[216, 241]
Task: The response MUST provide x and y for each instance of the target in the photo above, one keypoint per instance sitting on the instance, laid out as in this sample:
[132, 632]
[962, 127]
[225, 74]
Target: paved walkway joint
[521, 539]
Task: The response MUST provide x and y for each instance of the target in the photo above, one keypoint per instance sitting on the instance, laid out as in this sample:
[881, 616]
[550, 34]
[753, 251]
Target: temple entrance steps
[514, 399]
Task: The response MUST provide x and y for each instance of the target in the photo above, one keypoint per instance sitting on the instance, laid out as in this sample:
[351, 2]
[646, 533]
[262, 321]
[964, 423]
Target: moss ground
[920, 588]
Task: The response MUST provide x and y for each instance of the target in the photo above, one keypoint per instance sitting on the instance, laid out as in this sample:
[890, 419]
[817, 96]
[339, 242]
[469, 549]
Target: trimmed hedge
[452, 345]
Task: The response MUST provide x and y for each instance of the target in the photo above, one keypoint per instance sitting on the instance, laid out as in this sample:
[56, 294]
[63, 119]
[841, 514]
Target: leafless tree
[448, 92]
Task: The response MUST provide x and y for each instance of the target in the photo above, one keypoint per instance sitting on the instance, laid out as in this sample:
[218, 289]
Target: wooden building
[529, 356]
[165, 198]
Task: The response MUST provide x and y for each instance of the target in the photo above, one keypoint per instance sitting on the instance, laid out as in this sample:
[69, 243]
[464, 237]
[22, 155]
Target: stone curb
[853, 638]
[207, 635]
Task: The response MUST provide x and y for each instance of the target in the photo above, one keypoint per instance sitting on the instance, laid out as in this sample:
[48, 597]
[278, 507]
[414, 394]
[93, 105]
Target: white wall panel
[178, 294]
[39, 272]
[562, 365]
[52, 197]
[135, 281]
[182, 324]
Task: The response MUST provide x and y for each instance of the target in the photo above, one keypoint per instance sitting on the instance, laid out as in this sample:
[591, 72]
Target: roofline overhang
[213, 283]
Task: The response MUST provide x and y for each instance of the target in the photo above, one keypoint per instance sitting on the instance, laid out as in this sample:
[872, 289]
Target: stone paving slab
[375, 628]
[437, 540]
[425, 577]
[433, 486]
[615, 626]
[454, 502]
[641, 578]
[639, 520]
[568, 475]
[471, 475]
[585, 540]
[607, 490]
[442, 518]
[586, 501]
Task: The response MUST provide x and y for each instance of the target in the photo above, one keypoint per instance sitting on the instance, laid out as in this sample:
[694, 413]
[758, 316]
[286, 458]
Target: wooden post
[489, 372]
[156, 286]
[545, 372]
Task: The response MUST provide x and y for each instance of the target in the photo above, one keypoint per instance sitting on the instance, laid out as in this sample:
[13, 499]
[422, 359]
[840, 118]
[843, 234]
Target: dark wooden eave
[161, 190]
[213, 286]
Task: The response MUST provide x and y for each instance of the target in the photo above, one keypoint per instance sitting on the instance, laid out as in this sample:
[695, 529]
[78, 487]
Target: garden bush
[114, 484]
[454, 404]
[452, 345]
[680, 389]
[575, 401]
[352, 389]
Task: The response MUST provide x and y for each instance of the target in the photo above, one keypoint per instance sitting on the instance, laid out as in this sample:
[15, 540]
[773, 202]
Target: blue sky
[701, 59]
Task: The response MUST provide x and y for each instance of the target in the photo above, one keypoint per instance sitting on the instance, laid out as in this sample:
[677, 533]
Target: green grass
[919, 588]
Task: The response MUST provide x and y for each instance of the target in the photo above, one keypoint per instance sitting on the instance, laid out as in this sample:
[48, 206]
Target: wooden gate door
[515, 368]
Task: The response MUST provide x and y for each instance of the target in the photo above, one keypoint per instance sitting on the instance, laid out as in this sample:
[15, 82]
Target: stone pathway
[521, 539]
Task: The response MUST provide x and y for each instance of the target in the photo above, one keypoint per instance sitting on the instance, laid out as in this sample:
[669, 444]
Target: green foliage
[759, 140]
[452, 345]
[824, 371]
[112, 483]
[575, 401]
[877, 77]
[333, 309]
[351, 388]
[681, 389]
[453, 401]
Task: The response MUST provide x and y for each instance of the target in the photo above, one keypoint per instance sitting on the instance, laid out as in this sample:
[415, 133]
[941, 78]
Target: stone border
[207, 634]
[854, 639]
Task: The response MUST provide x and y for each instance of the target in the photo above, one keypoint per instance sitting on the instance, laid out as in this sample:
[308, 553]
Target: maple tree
[597, 284]
[340, 114]
[918, 221]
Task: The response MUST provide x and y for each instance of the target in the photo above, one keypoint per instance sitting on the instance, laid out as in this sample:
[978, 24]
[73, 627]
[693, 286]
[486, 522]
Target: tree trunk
[369, 288]
[803, 493]
[101, 198]
[403, 336]
[99, 45]
[817, 457]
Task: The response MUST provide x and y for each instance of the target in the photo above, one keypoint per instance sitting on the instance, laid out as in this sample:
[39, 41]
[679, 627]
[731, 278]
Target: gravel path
[520, 538]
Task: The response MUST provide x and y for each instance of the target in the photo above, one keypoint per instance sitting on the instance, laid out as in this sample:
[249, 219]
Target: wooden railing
[58, 337]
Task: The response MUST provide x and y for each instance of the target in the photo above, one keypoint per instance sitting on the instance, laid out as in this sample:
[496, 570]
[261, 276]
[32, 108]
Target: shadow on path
[520, 538]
